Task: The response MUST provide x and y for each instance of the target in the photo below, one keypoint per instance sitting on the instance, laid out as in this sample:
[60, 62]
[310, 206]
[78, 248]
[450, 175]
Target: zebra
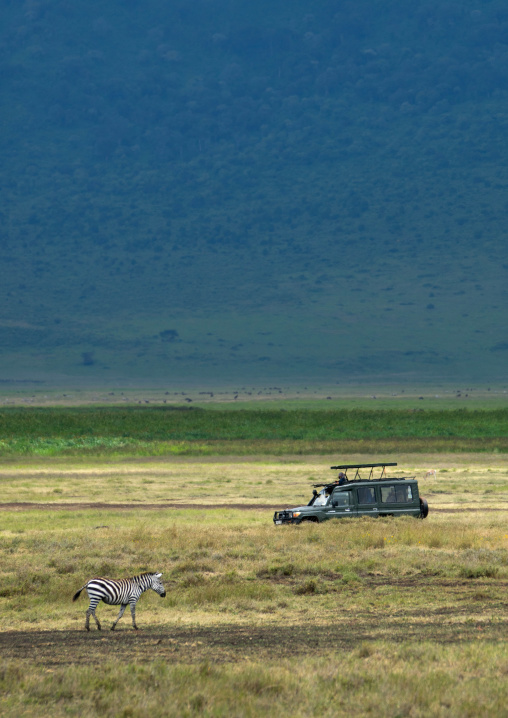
[119, 592]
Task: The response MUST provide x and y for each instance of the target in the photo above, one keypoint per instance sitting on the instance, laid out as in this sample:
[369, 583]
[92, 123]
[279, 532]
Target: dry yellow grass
[362, 617]
[460, 480]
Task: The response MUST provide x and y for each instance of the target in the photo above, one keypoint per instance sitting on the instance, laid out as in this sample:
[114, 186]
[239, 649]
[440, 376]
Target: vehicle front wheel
[424, 508]
[311, 518]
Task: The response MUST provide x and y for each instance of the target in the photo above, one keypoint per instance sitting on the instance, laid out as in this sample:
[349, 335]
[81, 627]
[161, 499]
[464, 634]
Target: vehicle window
[341, 499]
[366, 495]
[404, 494]
[397, 493]
[388, 495]
[321, 499]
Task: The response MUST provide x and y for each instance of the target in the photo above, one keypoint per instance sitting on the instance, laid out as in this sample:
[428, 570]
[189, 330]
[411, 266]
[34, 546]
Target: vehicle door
[320, 505]
[388, 500]
[341, 505]
[367, 501]
[399, 498]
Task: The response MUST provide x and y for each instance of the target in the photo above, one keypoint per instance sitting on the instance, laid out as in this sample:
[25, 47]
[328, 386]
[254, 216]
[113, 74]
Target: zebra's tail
[76, 595]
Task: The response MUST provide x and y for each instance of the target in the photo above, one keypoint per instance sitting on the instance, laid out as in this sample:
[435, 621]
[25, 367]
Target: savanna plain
[367, 617]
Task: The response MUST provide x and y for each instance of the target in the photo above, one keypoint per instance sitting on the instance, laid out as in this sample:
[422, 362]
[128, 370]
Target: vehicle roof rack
[357, 476]
[361, 466]
[333, 484]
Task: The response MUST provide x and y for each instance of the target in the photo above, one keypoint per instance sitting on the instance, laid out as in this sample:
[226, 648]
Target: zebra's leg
[133, 612]
[122, 609]
[91, 612]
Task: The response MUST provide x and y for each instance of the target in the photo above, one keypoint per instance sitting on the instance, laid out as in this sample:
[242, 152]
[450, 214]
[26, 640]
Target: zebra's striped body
[124, 592]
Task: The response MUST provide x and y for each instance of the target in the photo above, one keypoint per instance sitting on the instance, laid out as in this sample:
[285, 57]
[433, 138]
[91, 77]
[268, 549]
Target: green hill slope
[211, 191]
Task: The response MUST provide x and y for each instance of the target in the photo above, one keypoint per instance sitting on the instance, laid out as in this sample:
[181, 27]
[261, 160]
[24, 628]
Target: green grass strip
[166, 431]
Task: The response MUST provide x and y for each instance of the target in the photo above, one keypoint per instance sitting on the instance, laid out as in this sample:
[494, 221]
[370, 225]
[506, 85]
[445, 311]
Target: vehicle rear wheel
[424, 508]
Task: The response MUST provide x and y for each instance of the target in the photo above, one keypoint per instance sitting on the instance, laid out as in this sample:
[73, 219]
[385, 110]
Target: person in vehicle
[314, 494]
[342, 478]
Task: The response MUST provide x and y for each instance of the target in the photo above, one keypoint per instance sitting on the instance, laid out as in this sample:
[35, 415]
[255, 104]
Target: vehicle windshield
[321, 499]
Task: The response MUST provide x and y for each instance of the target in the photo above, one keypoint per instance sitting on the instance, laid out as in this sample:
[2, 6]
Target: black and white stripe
[122, 592]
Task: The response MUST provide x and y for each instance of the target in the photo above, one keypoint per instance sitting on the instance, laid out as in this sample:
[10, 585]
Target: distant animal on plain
[122, 592]
[430, 472]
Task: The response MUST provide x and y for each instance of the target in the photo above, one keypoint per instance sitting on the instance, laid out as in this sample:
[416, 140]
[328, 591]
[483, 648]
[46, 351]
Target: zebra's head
[157, 584]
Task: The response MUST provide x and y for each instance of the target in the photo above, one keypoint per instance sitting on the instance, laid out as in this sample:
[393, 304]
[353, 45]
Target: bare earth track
[231, 643]
[26, 506]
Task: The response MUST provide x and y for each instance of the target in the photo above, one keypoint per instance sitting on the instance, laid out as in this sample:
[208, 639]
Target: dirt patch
[99, 506]
[25, 506]
[230, 643]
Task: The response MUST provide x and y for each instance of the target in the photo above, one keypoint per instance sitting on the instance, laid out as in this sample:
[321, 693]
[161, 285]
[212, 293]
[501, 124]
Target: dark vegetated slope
[287, 190]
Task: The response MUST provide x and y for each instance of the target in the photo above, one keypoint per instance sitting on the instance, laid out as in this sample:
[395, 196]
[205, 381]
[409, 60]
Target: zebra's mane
[140, 576]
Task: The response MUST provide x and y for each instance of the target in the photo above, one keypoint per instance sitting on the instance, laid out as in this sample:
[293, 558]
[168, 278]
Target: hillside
[211, 191]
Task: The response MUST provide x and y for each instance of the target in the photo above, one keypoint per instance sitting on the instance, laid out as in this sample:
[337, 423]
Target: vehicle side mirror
[335, 502]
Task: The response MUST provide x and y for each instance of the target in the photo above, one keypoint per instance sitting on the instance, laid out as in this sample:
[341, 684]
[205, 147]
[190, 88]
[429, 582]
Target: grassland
[470, 481]
[177, 429]
[233, 397]
[370, 617]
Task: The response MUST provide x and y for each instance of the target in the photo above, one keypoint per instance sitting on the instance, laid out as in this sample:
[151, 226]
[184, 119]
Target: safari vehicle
[370, 496]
